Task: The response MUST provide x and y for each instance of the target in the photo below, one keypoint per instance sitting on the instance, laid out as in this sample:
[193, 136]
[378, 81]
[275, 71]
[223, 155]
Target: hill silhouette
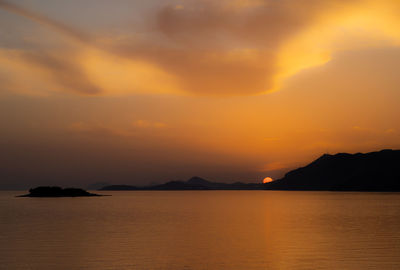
[194, 183]
[375, 171]
[97, 185]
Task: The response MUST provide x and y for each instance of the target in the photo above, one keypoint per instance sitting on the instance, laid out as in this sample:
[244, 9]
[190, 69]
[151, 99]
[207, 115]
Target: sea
[210, 230]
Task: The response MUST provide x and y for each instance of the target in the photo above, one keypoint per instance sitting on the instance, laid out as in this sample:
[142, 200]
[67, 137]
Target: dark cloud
[264, 25]
[217, 48]
[210, 72]
[66, 72]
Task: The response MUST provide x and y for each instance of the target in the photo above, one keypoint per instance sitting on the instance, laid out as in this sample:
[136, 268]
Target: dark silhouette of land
[194, 183]
[97, 185]
[375, 171]
[58, 192]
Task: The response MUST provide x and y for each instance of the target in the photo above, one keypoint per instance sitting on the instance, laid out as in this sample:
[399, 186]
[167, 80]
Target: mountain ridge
[373, 171]
[194, 183]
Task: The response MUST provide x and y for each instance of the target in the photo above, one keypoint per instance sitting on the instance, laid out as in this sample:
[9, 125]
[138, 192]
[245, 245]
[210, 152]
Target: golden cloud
[241, 47]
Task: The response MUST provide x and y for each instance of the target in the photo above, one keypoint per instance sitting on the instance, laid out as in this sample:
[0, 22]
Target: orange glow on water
[267, 180]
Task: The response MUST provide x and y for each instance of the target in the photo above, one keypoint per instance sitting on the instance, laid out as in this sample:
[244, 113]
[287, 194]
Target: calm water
[202, 230]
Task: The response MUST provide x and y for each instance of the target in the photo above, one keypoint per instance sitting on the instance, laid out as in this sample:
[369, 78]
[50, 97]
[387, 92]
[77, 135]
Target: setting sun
[267, 180]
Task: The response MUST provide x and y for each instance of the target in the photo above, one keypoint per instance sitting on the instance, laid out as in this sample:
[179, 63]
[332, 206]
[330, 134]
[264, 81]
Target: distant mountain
[198, 181]
[97, 185]
[194, 183]
[58, 192]
[119, 187]
[375, 171]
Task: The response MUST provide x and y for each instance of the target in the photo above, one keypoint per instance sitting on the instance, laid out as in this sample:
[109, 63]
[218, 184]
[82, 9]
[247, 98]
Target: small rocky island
[58, 192]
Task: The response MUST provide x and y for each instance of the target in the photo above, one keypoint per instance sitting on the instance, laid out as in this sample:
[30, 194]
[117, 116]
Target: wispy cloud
[66, 29]
[100, 129]
[275, 166]
[148, 124]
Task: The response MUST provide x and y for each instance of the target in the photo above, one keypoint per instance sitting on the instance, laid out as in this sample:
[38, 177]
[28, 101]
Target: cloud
[148, 124]
[67, 30]
[238, 47]
[102, 130]
[65, 72]
[42, 72]
[216, 49]
[262, 24]
[223, 48]
[98, 130]
[57, 69]
[241, 47]
[275, 166]
[211, 72]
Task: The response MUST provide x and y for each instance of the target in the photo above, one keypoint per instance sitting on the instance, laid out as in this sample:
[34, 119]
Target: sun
[267, 180]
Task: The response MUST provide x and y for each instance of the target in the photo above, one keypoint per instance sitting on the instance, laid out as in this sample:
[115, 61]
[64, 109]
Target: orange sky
[134, 92]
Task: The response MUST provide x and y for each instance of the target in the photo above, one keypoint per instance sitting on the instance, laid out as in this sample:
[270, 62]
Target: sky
[139, 92]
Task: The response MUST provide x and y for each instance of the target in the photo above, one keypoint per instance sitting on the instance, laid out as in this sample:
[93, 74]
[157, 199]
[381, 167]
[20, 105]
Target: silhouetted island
[375, 171]
[194, 183]
[58, 192]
